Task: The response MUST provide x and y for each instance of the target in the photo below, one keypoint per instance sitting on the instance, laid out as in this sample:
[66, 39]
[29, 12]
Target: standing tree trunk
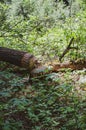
[19, 58]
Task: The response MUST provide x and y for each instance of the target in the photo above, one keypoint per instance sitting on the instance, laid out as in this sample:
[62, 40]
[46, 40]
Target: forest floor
[31, 101]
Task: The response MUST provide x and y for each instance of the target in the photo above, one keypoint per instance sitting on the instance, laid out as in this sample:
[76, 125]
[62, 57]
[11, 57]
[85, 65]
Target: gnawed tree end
[18, 58]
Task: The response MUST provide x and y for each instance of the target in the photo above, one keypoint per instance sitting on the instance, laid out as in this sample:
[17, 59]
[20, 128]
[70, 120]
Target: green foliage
[45, 104]
[43, 28]
[38, 25]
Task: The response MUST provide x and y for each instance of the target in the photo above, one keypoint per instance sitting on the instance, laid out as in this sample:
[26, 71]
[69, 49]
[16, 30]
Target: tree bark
[75, 65]
[41, 70]
[18, 58]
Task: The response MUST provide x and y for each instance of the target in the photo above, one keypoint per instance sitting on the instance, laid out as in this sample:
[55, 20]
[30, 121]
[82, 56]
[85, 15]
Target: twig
[67, 48]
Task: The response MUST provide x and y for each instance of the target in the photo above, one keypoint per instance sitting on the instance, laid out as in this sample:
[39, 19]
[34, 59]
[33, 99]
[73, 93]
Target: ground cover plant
[55, 32]
[52, 101]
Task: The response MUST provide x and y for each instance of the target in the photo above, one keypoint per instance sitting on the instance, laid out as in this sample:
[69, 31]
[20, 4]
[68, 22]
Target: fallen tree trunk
[76, 65]
[18, 58]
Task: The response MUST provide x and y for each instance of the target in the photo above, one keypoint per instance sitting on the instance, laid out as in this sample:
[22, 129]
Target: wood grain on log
[17, 57]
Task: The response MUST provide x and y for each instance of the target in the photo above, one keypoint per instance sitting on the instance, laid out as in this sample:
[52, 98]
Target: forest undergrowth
[53, 31]
[52, 101]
